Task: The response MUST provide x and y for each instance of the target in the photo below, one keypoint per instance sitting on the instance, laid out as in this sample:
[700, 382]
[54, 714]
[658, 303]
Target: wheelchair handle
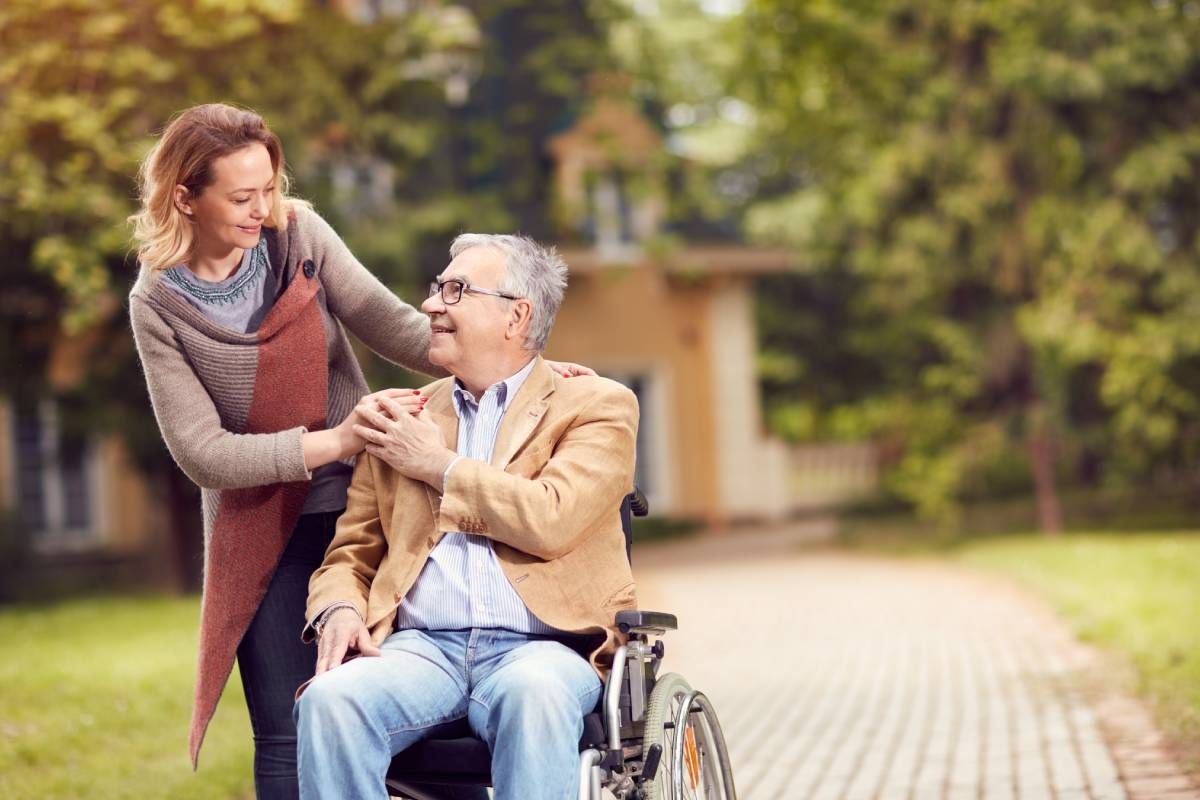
[638, 503]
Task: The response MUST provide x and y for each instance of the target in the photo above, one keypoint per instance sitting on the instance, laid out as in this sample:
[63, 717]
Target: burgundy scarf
[253, 525]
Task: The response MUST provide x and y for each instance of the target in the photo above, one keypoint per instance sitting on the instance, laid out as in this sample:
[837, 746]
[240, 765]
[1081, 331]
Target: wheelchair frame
[615, 759]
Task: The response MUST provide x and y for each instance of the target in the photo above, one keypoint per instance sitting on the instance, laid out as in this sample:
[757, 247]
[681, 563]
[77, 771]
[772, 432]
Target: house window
[652, 473]
[609, 218]
[55, 477]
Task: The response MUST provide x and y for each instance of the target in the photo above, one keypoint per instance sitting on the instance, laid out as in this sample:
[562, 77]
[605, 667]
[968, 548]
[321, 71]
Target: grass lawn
[1135, 594]
[96, 701]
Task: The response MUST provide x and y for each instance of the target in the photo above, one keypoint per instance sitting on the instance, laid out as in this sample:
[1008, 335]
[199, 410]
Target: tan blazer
[549, 501]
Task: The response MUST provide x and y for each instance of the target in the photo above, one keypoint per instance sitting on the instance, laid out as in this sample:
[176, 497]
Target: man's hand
[343, 630]
[413, 446]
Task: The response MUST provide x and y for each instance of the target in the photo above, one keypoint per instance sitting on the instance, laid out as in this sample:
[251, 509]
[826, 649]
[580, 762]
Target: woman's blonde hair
[184, 155]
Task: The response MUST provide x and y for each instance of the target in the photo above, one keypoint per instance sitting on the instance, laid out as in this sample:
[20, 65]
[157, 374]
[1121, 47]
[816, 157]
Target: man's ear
[183, 200]
[519, 317]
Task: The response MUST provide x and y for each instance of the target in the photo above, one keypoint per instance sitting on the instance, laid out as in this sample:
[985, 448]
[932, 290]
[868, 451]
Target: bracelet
[319, 623]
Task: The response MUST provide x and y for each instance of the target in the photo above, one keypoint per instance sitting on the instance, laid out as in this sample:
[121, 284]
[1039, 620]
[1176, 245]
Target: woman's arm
[210, 455]
[385, 323]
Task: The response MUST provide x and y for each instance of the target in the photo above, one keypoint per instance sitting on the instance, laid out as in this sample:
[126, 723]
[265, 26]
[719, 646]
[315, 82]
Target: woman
[238, 313]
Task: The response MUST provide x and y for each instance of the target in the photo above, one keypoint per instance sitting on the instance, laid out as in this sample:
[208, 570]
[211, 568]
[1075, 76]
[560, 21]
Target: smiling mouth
[251, 228]
[436, 329]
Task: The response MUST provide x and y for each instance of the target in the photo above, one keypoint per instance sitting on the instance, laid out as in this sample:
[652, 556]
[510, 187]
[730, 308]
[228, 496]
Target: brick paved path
[839, 676]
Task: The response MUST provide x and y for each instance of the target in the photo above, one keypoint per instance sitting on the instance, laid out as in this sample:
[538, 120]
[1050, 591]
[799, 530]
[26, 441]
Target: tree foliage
[404, 128]
[87, 84]
[999, 201]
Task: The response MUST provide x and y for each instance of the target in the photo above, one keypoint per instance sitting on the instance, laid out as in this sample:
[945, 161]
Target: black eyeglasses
[452, 291]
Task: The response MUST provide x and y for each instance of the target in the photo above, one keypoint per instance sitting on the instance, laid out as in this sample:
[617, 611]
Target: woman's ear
[183, 200]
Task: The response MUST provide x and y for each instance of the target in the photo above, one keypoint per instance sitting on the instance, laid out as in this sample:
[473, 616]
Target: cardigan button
[310, 268]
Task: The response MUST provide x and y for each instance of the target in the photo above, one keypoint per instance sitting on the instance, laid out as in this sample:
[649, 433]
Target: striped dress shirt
[462, 585]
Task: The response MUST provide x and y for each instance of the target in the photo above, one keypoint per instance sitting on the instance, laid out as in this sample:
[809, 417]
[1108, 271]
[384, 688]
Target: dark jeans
[273, 662]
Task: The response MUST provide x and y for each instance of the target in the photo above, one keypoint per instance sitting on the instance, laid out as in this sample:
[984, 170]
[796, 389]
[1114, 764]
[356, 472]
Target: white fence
[829, 475]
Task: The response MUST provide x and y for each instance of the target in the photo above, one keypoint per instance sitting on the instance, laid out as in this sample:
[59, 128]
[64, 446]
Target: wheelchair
[651, 737]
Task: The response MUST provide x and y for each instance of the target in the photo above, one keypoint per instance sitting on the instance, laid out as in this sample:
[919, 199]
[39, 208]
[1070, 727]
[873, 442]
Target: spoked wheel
[694, 764]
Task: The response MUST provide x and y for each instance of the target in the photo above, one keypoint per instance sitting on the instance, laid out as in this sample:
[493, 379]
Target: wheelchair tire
[705, 771]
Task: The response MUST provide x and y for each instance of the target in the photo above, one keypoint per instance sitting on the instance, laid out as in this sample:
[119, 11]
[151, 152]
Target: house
[76, 512]
[674, 320]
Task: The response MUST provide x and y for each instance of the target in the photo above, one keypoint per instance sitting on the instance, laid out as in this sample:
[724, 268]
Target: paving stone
[852, 678]
[1156, 787]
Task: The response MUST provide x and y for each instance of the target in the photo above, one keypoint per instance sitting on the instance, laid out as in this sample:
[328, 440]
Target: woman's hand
[408, 401]
[341, 442]
[568, 369]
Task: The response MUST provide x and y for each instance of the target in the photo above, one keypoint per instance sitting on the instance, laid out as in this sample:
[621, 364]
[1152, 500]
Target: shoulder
[141, 311]
[303, 216]
[309, 226]
[595, 392]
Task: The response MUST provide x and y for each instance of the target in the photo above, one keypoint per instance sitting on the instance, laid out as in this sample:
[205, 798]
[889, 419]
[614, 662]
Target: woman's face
[229, 212]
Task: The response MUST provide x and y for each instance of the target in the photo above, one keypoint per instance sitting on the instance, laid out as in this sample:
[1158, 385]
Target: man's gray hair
[537, 273]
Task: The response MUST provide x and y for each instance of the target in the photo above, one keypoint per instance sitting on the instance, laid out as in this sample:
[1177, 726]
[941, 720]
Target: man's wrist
[440, 463]
[322, 619]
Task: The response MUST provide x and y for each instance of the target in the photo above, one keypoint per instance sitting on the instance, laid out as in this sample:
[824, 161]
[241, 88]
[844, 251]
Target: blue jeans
[525, 696]
[273, 662]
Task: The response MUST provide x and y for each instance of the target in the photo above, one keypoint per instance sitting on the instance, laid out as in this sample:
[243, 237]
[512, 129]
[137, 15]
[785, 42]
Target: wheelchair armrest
[650, 623]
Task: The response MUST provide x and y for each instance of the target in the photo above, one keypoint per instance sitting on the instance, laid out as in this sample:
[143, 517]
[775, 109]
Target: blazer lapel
[523, 416]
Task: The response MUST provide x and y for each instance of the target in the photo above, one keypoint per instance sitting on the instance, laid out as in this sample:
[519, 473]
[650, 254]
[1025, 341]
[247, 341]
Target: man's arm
[344, 578]
[590, 470]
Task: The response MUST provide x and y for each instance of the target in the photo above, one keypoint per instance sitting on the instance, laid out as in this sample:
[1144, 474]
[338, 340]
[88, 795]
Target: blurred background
[926, 270]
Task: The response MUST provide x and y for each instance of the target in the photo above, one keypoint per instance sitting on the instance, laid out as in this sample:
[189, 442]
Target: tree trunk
[1040, 447]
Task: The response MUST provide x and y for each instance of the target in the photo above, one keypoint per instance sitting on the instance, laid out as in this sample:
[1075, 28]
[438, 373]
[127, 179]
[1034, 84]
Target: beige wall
[751, 468]
[623, 320]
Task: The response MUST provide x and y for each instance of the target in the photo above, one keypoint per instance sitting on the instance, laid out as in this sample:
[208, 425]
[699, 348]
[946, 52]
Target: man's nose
[433, 304]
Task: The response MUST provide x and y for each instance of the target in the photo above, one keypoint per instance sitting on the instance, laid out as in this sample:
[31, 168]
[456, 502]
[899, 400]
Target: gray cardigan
[201, 375]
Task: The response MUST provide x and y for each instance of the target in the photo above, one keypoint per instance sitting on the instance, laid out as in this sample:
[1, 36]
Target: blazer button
[310, 268]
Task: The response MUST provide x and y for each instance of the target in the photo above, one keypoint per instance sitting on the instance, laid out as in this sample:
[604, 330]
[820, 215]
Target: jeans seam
[419, 725]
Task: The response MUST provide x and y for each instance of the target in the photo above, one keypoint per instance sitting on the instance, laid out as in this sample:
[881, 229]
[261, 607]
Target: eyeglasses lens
[451, 291]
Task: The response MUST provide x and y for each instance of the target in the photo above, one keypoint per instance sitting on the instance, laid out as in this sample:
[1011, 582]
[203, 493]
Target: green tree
[1011, 189]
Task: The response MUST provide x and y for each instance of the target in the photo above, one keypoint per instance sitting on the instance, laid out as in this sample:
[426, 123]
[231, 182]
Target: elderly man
[480, 560]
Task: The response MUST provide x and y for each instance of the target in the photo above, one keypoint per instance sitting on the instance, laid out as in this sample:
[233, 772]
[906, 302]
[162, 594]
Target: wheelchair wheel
[696, 767]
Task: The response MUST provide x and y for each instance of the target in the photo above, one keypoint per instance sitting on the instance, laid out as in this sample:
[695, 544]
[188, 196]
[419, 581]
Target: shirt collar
[505, 390]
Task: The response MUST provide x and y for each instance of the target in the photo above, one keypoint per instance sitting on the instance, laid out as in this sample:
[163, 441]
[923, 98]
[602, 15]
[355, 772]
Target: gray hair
[534, 272]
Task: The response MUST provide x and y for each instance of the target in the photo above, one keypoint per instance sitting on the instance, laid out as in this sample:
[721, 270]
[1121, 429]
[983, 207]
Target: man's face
[470, 333]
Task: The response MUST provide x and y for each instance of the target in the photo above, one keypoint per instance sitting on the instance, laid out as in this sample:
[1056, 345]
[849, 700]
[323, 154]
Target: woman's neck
[214, 266]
